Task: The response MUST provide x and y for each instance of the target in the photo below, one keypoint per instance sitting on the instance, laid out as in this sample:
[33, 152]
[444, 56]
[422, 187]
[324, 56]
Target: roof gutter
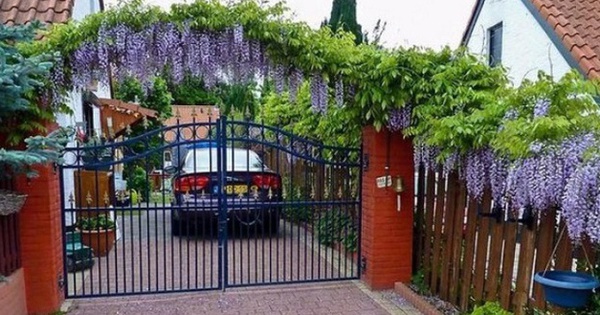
[471, 25]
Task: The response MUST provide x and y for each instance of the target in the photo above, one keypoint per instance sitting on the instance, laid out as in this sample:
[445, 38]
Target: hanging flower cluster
[216, 57]
[400, 118]
[559, 175]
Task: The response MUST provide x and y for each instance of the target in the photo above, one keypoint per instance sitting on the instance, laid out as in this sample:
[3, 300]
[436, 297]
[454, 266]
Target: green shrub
[101, 222]
[139, 182]
[490, 308]
[332, 226]
[298, 214]
[350, 240]
[418, 281]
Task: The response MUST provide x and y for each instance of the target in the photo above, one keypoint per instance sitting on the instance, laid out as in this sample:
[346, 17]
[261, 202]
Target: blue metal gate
[207, 205]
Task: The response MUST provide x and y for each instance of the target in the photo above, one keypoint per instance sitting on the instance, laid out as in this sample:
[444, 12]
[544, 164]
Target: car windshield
[205, 160]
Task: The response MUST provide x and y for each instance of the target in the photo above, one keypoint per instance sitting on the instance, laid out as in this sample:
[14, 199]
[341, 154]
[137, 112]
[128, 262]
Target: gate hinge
[363, 264]
[365, 162]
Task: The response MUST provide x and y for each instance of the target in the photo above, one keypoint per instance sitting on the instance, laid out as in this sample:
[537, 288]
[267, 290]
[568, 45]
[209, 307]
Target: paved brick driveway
[348, 297]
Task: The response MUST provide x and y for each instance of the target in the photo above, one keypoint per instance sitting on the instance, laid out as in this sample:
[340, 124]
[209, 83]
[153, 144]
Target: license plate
[236, 189]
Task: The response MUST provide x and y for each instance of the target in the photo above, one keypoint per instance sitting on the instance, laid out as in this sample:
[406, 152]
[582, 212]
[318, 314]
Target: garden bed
[428, 305]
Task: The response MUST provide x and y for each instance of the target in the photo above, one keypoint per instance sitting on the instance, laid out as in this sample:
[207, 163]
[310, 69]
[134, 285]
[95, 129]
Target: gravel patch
[441, 305]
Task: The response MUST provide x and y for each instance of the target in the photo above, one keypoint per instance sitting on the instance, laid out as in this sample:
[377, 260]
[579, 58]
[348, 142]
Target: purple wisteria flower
[478, 164]
[400, 119]
[339, 92]
[295, 80]
[318, 90]
[580, 199]
[541, 108]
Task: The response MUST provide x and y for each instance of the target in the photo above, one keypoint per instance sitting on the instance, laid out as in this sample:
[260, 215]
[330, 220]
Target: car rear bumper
[191, 204]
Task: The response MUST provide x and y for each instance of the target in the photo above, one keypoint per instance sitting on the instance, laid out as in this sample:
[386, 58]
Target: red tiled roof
[24, 11]
[128, 108]
[577, 23]
[187, 115]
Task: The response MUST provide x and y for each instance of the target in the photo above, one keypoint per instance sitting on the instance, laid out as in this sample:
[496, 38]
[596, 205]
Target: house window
[495, 48]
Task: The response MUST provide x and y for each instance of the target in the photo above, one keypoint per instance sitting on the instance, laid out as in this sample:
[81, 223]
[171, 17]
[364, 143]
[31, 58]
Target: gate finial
[194, 114]
[145, 122]
[106, 198]
[88, 198]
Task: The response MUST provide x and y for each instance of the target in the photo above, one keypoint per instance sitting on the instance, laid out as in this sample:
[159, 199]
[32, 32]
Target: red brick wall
[12, 295]
[387, 234]
[41, 241]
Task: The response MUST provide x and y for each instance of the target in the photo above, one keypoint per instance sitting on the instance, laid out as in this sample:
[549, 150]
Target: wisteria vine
[225, 56]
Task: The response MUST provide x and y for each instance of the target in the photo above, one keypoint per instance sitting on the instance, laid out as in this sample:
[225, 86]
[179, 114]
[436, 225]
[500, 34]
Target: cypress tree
[343, 15]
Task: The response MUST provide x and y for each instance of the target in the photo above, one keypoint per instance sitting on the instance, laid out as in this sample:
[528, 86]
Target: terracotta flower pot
[100, 241]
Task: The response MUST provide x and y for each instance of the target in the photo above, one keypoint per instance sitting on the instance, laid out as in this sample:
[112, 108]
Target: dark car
[251, 191]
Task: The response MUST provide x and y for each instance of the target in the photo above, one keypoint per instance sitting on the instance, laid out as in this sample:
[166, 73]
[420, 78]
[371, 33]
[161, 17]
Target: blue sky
[427, 23]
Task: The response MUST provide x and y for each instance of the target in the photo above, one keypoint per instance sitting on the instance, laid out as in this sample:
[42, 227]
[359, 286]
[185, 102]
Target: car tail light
[267, 181]
[192, 182]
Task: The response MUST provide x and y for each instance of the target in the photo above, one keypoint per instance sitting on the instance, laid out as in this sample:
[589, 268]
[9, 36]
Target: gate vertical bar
[222, 200]
[361, 169]
[61, 183]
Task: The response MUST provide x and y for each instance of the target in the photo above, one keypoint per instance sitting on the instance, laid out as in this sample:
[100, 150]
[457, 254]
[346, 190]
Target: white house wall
[526, 49]
[81, 9]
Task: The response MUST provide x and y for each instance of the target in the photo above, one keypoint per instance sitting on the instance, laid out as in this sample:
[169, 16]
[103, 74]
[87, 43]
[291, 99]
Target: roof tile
[24, 11]
[577, 23]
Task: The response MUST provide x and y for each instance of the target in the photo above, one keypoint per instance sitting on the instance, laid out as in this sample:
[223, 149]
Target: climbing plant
[534, 145]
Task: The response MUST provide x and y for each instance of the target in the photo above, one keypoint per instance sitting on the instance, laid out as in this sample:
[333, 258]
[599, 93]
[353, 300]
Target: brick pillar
[41, 241]
[387, 235]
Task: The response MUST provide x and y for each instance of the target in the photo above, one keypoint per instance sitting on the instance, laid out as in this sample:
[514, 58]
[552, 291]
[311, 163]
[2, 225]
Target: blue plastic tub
[567, 289]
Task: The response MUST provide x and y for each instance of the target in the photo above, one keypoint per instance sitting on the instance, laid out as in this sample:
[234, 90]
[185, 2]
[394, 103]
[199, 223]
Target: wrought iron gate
[207, 205]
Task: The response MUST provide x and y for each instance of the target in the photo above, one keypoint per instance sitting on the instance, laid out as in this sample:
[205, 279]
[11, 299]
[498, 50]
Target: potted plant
[97, 232]
[566, 288]
[11, 202]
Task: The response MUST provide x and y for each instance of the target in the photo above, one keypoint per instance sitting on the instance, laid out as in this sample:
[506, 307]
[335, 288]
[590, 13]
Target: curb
[416, 300]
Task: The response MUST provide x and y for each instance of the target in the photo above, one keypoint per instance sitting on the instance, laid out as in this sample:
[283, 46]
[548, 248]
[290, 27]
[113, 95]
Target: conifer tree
[21, 82]
[343, 15]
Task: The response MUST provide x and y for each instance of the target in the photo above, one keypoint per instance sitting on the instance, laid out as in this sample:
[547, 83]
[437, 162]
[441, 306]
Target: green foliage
[418, 281]
[333, 226]
[350, 239]
[298, 214]
[490, 308]
[573, 110]
[191, 91]
[237, 98]
[343, 15]
[338, 127]
[100, 222]
[139, 182]
[21, 77]
[459, 101]
[158, 98]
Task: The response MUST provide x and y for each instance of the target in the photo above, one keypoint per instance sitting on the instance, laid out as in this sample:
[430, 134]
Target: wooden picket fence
[468, 257]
